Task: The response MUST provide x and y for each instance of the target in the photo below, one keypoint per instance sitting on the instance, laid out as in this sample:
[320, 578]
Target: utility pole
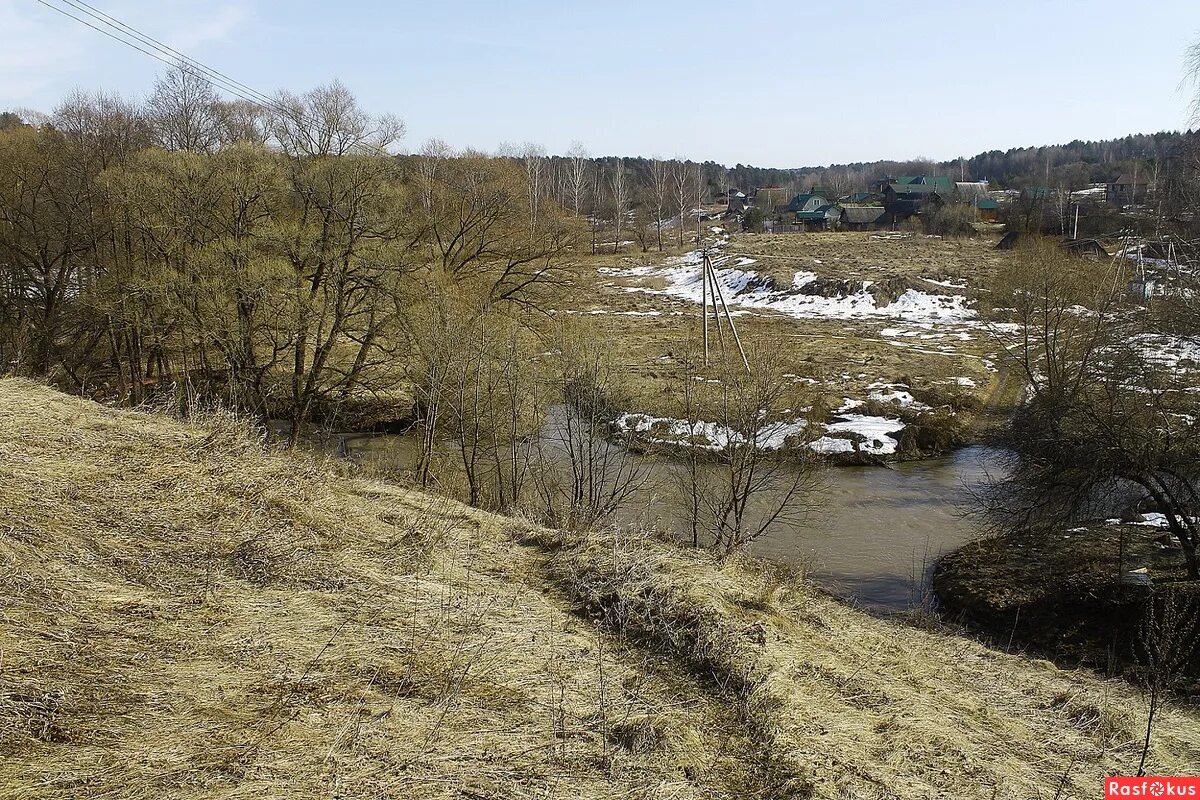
[710, 273]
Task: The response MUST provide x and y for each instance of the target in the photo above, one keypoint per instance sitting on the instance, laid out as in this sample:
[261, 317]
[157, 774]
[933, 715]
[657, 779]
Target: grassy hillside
[184, 614]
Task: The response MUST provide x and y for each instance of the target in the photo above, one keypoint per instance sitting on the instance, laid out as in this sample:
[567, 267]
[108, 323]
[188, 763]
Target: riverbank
[1078, 597]
[189, 614]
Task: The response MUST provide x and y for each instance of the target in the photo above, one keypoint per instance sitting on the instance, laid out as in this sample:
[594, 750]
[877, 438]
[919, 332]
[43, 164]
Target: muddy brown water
[872, 538]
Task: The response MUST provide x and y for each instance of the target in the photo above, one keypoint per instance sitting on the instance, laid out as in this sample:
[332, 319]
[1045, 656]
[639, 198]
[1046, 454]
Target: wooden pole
[712, 277]
[729, 318]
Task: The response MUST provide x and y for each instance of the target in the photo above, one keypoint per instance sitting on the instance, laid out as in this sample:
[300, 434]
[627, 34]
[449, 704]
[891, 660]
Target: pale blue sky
[772, 84]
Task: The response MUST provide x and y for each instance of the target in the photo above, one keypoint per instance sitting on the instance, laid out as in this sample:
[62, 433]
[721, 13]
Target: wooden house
[1127, 190]
[737, 201]
[812, 210]
[903, 200]
[987, 209]
[863, 218]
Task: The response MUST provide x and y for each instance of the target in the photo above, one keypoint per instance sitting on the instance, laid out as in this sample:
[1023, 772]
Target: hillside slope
[184, 614]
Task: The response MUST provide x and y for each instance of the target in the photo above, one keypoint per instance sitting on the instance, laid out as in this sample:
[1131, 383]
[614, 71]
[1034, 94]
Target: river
[872, 538]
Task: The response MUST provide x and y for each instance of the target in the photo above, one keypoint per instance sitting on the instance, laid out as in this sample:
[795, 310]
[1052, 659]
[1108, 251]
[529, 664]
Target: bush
[950, 221]
[753, 220]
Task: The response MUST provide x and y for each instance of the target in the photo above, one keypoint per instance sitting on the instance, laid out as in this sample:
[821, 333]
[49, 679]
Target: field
[185, 613]
[855, 316]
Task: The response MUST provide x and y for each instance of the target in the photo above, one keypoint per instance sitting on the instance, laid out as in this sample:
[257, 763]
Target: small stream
[873, 539]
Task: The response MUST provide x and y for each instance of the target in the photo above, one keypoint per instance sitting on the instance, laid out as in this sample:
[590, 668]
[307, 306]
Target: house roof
[1009, 240]
[986, 204]
[942, 182]
[799, 201]
[1127, 180]
[915, 188]
[862, 215]
[859, 197]
[1085, 246]
[827, 211]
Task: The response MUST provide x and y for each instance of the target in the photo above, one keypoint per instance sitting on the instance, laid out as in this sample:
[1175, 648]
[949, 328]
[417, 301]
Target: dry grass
[843, 356]
[187, 615]
[854, 706]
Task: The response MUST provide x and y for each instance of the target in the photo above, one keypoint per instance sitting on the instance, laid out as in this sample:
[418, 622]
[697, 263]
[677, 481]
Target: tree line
[272, 254]
[1072, 166]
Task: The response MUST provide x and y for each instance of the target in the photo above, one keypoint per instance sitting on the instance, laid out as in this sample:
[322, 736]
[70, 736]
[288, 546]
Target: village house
[863, 218]
[738, 202]
[913, 195]
[971, 190]
[987, 209]
[863, 198]
[814, 211]
[1127, 190]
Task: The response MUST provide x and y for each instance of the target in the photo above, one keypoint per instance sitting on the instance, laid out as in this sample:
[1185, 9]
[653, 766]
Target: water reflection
[873, 538]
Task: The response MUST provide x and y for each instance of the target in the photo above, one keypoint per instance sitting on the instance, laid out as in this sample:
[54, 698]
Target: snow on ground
[946, 284]
[895, 393]
[707, 435]
[1151, 520]
[874, 429]
[774, 437]
[714, 436]
[745, 287]
[829, 445]
[1168, 351]
[667, 430]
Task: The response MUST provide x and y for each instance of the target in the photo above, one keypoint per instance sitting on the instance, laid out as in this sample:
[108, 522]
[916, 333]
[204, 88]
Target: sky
[777, 84]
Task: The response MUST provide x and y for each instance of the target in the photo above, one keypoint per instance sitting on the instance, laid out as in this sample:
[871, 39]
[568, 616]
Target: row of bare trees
[655, 205]
[517, 419]
[277, 257]
[269, 255]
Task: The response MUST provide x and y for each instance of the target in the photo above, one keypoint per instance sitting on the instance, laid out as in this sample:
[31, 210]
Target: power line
[174, 58]
[135, 46]
[125, 28]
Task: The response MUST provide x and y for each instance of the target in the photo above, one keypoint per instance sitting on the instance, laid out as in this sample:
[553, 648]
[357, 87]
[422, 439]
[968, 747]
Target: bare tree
[184, 111]
[533, 160]
[328, 121]
[103, 128]
[428, 165]
[578, 169]
[682, 191]
[586, 471]
[659, 191]
[619, 194]
[1192, 77]
[748, 466]
[242, 121]
[1105, 413]
[1167, 639]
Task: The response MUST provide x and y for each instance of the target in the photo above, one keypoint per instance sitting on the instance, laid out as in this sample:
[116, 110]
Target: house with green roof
[812, 210]
[904, 199]
[988, 209]
[806, 202]
[944, 184]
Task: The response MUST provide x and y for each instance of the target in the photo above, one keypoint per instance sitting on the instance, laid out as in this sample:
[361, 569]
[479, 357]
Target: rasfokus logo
[1152, 786]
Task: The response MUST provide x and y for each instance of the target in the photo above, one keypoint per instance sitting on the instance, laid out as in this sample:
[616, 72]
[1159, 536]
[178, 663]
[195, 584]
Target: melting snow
[745, 287]
[874, 429]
